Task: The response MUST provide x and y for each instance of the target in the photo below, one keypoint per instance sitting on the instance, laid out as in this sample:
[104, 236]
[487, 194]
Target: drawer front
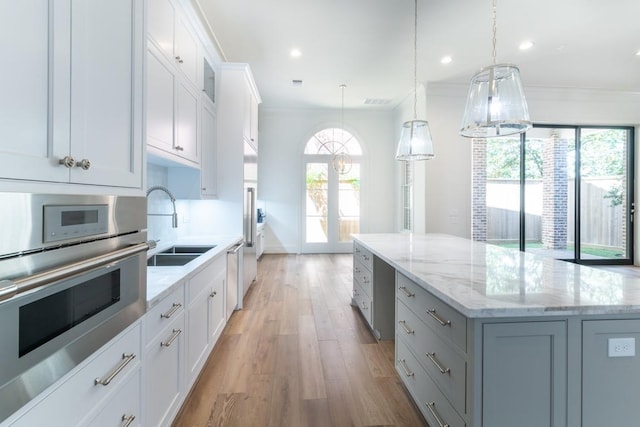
[203, 280]
[122, 406]
[440, 317]
[438, 358]
[432, 403]
[363, 255]
[363, 301]
[81, 393]
[164, 312]
[364, 278]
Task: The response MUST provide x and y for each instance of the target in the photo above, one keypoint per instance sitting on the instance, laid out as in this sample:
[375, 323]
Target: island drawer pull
[407, 329]
[432, 357]
[126, 358]
[127, 420]
[406, 292]
[403, 365]
[366, 258]
[432, 312]
[365, 280]
[432, 408]
[170, 341]
[175, 307]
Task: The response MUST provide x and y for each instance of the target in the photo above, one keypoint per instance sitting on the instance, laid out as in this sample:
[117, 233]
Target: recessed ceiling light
[295, 53]
[446, 59]
[527, 44]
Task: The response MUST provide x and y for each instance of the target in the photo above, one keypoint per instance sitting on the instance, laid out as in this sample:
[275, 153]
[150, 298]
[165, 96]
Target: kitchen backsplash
[195, 217]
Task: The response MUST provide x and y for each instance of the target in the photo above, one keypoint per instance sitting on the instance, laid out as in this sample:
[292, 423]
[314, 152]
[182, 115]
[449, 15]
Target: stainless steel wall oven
[72, 276]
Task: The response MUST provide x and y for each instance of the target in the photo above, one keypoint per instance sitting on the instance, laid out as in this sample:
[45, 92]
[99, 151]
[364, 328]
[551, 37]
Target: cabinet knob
[213, 294]
[179, 148]
[180, 61]
[84, 164]
[67, 161]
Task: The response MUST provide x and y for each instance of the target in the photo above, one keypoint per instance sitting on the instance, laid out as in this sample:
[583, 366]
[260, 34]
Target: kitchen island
[488, 336]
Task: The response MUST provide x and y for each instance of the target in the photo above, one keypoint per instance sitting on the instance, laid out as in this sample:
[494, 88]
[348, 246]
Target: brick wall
[554, 193]
[479, 190]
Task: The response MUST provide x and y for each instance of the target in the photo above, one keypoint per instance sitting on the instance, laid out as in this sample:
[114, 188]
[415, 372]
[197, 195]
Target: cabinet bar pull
[175, 307]
[432, 408]
[407, 329]
[432, 357]
[357, 270]
[170, 341]
[213, 294]
[127, 420]
[406, 292]
[366, 258]
[406, 370]
[432, 313]
[364, 279]
[126, 358]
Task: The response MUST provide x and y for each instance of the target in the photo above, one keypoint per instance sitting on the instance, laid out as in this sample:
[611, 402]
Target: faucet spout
[174, 215]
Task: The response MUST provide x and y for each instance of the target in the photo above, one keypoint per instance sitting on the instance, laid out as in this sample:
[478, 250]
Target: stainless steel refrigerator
[250, 222]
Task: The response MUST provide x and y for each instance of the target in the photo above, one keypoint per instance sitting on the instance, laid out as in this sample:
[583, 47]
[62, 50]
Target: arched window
[332, 159]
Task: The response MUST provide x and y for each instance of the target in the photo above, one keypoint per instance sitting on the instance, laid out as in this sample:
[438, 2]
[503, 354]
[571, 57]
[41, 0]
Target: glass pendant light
[415, 140]
[341, 161]
[495, 103]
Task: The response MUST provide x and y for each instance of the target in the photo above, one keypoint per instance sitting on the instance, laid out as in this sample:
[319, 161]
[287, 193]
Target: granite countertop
[162, 280]
[482, 280]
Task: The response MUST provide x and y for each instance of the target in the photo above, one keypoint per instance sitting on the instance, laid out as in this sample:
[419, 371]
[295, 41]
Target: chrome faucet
[174, 215]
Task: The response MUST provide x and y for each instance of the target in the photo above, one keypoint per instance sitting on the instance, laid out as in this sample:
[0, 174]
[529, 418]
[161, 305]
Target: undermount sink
[187, 249]
[177, 256]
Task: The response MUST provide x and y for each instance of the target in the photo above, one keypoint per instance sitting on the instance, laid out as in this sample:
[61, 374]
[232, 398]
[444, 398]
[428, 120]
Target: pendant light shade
[415, 141]
[495, 104]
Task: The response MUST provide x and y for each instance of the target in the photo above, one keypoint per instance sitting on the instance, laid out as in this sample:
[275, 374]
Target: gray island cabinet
[493, 337]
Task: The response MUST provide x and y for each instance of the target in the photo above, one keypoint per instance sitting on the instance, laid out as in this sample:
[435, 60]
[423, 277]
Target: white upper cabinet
[171, 32]
[94, 118]
[106, 59]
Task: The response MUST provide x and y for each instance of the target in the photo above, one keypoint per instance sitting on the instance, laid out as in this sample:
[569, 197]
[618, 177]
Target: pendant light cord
[415, 61]
[494, 29]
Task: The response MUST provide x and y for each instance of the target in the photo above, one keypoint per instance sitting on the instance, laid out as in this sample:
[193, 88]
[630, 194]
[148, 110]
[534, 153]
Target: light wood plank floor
[299, 355]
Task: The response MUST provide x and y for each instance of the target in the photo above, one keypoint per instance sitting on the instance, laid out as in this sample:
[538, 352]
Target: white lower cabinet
[164, 358]
[205, 314]
[80, 399]
[181, 331]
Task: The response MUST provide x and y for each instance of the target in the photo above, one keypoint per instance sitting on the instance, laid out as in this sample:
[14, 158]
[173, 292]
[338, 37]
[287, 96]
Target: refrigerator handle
[251, 201]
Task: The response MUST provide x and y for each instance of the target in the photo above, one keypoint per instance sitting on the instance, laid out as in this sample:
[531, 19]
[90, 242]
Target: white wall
[283, 135]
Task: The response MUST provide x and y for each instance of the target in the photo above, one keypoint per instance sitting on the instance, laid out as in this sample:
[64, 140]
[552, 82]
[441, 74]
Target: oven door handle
[10, 288]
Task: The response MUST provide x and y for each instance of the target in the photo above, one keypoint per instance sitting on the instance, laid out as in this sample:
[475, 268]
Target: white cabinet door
[208, 170]
[161, 24]
[164, 374]
[160, 102]
[123, 407]
[104, 91]
[187, 123]
[186, 51]
[73, 89]
[216, 308]
[27, 150]
[198, 339]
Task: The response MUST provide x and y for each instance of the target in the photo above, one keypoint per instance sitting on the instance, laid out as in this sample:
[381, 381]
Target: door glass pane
[549, 191]
[503, 191]
[317, 202]
[349, 203]
[603, 193]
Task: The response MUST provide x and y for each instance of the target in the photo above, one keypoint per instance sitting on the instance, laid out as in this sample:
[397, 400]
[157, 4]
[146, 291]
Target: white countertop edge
[161, 281]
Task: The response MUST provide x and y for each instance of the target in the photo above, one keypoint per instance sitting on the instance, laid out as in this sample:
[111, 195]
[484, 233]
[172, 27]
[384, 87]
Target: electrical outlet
[622, 347]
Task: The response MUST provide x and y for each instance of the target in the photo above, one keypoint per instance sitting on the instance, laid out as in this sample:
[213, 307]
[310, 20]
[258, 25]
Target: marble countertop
[162, 280]
[482, 280]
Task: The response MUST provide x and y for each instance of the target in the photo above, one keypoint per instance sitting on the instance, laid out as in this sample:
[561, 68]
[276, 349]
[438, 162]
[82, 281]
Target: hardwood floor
[299, 355]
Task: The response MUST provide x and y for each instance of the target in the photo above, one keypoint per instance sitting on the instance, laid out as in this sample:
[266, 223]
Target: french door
[563, 191]
[331, 211]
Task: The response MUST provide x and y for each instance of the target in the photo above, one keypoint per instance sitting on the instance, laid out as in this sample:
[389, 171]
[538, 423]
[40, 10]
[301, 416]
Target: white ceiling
[368, 45]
